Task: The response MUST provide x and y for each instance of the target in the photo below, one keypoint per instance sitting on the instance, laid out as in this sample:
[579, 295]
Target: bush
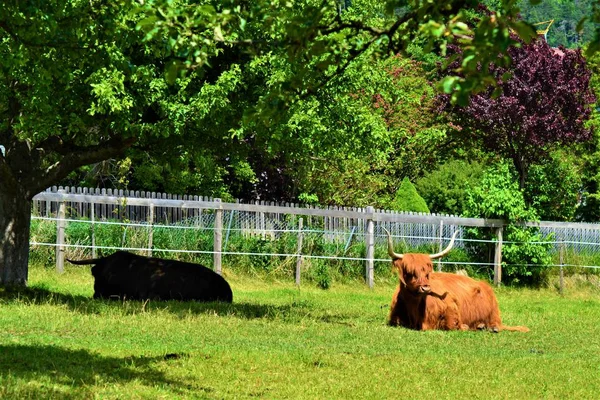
[553, 188]
[407, 199]
[525, 253]
[444, 188]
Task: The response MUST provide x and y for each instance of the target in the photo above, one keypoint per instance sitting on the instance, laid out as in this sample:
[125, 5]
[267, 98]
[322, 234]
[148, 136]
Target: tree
[545, 100]
[588, 154]
[80, 82]
[407, 198]
[567, 15]
[321, 32]
[380, 121]
[63, 105]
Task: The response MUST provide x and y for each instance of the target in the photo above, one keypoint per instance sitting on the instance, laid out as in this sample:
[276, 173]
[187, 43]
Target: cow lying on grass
[427, 300]
[126, 275]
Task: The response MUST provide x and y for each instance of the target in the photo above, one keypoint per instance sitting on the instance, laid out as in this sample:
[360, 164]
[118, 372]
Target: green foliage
[589, 156]
[553, 188]
[320, 274]
[444, 189]
[525, 251]
[567, 15]
[271, 98]
[407, 198]
[267, 255]
[377, 123]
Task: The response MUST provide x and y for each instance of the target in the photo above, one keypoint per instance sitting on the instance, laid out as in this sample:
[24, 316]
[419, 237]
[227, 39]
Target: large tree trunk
[15, 217]
[23, 173]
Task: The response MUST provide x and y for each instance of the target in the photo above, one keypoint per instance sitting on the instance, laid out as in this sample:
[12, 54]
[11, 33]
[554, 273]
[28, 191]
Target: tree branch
[40, 180]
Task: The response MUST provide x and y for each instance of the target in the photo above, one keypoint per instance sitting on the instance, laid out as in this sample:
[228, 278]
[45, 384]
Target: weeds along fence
[282, 239]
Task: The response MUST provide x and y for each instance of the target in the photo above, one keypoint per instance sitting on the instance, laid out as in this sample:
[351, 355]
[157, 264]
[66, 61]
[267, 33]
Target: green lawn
[278, 342]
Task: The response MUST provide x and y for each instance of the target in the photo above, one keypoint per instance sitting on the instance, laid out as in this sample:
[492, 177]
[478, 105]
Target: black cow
[126, 275]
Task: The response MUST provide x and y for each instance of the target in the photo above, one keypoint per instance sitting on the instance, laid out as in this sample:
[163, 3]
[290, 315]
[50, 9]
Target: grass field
[279, 342]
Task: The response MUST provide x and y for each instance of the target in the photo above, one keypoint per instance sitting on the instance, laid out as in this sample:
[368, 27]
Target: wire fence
[80, 225]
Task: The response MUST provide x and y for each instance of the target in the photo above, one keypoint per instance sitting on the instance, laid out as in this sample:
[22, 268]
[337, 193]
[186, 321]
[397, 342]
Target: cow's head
[414, 268]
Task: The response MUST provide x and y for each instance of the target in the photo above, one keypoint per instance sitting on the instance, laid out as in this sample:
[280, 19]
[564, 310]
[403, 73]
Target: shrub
[407, 198]
[525, 251]
[444, 188]
[553, 188]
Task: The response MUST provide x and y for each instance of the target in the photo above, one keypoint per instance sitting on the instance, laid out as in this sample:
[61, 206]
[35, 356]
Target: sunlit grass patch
[282, 342]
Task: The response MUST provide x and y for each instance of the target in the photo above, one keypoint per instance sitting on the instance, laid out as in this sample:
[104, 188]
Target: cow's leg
[394, 317]
[495, 323]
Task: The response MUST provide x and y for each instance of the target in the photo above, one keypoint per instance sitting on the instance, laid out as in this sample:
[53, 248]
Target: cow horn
[395, 256]
[446, 250]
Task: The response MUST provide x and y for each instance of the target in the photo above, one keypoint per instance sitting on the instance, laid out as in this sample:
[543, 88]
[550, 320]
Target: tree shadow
[74, 373]
[89, 305]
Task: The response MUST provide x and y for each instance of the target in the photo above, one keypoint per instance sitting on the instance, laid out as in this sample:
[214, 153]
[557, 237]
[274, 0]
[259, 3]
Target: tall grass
[279, 342]
[258, 255]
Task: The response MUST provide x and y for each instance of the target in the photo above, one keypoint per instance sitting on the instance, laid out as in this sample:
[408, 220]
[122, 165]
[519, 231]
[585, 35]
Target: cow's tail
[514, 328]
[84, 262]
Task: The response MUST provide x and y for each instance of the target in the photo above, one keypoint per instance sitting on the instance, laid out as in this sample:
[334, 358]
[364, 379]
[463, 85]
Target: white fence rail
[341, 225]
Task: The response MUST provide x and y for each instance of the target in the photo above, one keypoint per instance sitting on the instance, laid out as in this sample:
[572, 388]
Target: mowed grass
[279, 342]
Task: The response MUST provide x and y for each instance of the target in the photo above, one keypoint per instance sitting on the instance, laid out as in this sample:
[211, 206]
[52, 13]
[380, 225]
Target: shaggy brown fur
[434, 300]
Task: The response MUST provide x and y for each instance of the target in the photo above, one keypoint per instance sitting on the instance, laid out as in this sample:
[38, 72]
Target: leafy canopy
[545, 101]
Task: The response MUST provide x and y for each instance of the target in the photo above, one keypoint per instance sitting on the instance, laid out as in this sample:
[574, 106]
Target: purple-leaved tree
[545, 100]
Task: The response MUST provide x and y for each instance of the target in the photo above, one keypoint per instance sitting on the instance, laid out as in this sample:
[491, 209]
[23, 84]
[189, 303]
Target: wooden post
[498, 258]
[299, 252]
[562, 262]
[150, 230]
[231, 214]
[92, 215]
[439, 262]
[60, 237]
[218, 237]
[370, 242]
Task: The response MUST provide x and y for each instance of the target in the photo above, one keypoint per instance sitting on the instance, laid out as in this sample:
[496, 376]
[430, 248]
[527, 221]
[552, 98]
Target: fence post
[231, 213]
[150, 230]
[93, 217]
[370, 242]
[299, 252]
[439, 262]
[562, 261]
[218, 237]
[498, 258]
[60, 235]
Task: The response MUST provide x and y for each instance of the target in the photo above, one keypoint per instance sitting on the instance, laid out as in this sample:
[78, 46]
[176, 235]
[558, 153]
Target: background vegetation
[327, 261]
[348, 103]
[355, 138]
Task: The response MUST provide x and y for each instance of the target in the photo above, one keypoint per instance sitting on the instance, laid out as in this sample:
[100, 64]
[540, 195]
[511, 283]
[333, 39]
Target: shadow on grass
[39, 371]
[87, 305]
